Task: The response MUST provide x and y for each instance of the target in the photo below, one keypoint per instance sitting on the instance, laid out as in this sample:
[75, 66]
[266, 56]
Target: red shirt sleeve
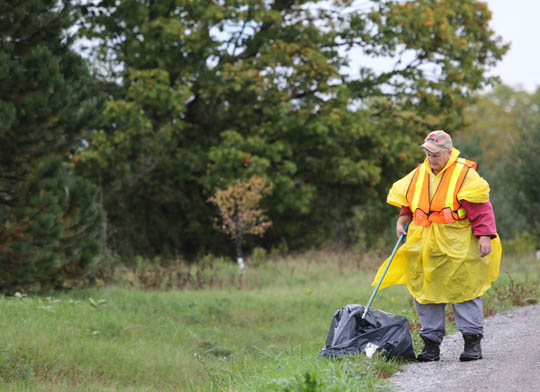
[405, 210]
[481, 217]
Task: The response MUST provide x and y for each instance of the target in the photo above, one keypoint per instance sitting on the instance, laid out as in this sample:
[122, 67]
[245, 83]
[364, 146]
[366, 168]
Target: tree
[491, 124]
[240, 212]
[252, 87]
[525, 166]
[49, 217]
[491, 136]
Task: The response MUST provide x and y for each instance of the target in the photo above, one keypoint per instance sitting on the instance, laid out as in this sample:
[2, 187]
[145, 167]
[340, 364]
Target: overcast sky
[518, 22]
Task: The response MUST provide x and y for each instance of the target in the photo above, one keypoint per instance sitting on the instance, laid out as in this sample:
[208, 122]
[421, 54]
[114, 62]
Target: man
[452, 252]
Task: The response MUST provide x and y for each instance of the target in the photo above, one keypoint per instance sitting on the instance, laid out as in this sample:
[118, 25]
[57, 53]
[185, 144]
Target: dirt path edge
[511, 359]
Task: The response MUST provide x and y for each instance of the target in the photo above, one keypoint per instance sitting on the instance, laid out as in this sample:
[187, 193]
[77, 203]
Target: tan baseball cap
[437, 141]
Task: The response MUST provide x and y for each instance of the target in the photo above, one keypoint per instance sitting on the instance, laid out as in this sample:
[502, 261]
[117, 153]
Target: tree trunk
[239, 258]
[105, 219]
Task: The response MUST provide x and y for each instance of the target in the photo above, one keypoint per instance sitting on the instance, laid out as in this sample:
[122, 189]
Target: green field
[261, 333]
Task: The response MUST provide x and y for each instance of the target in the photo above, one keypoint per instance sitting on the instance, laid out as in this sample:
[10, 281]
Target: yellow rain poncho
[441, 263]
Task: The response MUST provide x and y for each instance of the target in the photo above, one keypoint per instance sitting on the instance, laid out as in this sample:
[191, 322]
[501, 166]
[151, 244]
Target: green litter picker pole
[400, 239]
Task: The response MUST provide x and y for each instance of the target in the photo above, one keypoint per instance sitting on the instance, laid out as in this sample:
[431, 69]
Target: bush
[521, 244]
[258, 256]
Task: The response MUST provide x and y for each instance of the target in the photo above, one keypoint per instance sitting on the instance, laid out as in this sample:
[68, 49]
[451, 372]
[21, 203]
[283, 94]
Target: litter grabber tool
[400, 240]
[356, 329]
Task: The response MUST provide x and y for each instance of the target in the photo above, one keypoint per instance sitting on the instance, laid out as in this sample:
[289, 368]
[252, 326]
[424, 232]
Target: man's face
[438, 160]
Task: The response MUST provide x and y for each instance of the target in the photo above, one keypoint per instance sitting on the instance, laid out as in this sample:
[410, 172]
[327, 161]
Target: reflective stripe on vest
[444, 207]
[421, 177]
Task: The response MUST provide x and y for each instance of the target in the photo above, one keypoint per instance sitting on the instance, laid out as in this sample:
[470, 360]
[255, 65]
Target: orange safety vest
[444, 207]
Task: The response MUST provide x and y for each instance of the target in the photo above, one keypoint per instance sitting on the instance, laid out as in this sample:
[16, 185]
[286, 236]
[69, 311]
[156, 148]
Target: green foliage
[203, 94]
[307, 383]
[258, 256]
[521, 244]
[221, 339]
[207, 273]
[516, 294]
[263, 338]
[211, 272]
[49, 218]
[503, 136]
[525, 165]
[52, 233]
[492, 125]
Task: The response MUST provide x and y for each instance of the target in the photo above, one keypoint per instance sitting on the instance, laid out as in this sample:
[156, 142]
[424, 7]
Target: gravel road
[511, 359]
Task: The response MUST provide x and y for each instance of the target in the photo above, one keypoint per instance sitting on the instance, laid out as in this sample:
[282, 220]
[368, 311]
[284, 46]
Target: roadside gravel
[511, 359]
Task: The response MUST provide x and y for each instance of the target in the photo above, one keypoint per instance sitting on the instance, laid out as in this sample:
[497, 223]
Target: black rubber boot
[431, 351]
[472, 351]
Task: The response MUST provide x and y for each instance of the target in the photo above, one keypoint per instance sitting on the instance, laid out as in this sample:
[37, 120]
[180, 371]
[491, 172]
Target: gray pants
[469, 317]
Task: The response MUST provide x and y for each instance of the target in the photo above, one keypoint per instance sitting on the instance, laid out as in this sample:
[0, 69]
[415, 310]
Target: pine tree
[49, 217]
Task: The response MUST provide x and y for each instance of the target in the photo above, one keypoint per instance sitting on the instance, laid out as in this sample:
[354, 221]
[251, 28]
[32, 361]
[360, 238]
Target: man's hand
[484, 245]
[400, 225]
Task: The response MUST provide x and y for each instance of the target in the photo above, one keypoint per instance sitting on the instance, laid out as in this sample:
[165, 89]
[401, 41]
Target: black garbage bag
[378, 331]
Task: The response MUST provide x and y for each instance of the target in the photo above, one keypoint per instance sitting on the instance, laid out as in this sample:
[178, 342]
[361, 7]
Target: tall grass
[259, 332]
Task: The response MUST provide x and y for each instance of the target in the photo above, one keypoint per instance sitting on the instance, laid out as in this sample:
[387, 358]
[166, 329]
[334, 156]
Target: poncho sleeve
[398, 193]
[474, 189]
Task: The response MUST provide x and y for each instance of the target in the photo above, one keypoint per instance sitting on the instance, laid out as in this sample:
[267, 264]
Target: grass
[259, 333]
